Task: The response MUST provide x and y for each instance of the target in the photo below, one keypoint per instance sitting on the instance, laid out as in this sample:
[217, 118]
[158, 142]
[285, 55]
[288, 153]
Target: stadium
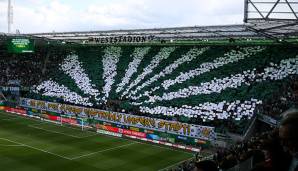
[177, 98]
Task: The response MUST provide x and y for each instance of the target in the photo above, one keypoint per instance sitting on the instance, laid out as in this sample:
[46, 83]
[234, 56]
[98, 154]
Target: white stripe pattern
[138, 56]
[109, 61]
[275, 72]
[230, 57]
[189, 56]
[163, 54]
[208, 110]
[72, 67]
[53, 89]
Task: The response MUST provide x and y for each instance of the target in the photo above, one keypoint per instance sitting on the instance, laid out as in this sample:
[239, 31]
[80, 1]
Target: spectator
[289, 137]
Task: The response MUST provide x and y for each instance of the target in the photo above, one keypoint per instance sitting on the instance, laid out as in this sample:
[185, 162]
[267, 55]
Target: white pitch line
[109, 149]
[18, 145]
[17, 116]
[164, 147]
[62, 132]
[36, 148]
[149, 143]
[8, 119]
[56, 132]
[47, 123]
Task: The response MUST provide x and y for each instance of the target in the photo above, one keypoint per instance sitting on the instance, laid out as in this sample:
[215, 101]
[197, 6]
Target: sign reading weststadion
[120, 39]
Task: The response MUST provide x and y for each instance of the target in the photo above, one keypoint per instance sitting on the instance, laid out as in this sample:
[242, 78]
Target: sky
[37, 16]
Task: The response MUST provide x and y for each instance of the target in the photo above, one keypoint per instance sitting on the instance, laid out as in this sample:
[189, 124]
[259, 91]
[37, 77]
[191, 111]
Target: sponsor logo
[108, 133]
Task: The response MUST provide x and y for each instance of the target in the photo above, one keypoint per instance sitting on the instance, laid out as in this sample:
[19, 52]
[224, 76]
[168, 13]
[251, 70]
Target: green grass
[27, 144]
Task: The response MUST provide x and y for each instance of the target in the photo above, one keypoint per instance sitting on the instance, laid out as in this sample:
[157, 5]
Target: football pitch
[30, 145]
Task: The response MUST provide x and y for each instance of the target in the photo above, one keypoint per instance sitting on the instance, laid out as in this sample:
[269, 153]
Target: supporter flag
[206, 132]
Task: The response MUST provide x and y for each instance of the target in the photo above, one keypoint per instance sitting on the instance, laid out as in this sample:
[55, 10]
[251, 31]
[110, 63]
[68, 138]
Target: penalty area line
[8, 119]
[59, 126]
[109, 149]
[45, 151]
[56, 132]
[17, 145]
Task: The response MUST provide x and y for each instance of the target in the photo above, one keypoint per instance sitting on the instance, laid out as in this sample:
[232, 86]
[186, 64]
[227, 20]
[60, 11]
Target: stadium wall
[163, 137]
[99, 116]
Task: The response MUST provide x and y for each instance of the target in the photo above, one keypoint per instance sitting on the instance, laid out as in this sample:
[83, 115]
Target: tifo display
[186, 97]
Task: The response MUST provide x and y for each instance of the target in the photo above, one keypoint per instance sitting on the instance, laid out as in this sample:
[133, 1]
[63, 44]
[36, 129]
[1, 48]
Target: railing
[269, 120]
[250, 129]
[247, 133]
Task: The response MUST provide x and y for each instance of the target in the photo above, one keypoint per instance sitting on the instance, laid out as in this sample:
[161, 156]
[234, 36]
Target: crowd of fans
[53, 89]
[109, 62]
[188, 57]
[33, 69]
[162, 55]
[210, 111]
[29, 68]
[229, 57]
[275, 150]
[283, 99]
[25, 68]
[73, 68]
[274, 72]
[237, 110]
[137, 56]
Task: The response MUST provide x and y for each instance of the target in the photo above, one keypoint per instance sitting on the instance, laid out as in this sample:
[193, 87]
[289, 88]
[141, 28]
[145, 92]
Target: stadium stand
[225, 87]
[264, 151]
[221, 86]
[26, 68]
[204, 83]
[194, 84]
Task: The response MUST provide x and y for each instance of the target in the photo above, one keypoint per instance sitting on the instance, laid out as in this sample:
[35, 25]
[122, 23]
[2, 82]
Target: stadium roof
[261, 29]
[204, 32]
[273, 19]
[270, 19]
